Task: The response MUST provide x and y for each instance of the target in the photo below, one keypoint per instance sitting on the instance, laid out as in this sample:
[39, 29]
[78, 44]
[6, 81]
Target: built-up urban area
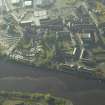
[67, 35]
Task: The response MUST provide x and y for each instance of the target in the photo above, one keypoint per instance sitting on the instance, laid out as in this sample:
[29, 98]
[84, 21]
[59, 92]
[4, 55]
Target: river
[17, 77]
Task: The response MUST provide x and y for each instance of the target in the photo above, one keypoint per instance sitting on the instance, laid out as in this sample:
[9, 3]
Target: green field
[18, 98]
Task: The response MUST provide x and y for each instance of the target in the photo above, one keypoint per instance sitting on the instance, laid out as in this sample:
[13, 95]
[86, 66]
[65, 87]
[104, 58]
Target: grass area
[62, 8]
[12, 102]
[63, 3]
[98, 50]
[100, 16]
[18, 98]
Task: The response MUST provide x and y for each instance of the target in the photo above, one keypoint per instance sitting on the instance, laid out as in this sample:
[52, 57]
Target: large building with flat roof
[15, 1]
[44, 3]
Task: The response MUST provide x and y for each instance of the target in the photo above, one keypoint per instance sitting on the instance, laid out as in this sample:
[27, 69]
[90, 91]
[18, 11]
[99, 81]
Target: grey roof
[44, 2]
[86, 35]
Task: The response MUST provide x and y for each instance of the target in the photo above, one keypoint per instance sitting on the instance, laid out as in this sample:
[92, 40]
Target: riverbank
[18, 77]
[79, 73]
[20, 98]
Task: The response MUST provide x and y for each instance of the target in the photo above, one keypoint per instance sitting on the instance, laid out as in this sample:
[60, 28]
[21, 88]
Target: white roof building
[86, 35]
[15, 1]
[27, 3]
[41, 14]
[26, 21]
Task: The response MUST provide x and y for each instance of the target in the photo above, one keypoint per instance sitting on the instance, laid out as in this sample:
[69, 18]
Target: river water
[17, 77]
